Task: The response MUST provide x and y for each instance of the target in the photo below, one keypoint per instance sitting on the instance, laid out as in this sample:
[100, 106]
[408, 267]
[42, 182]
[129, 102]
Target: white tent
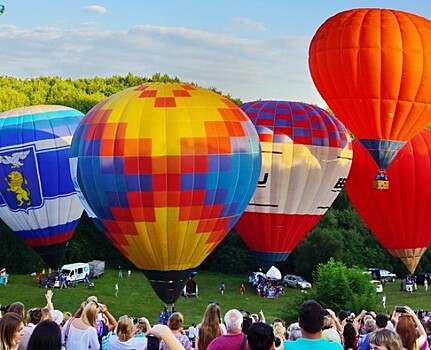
[273, 273]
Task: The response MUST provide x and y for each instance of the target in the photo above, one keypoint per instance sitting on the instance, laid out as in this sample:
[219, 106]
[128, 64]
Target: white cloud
[244, 68]
[100, 10]
[249, 24]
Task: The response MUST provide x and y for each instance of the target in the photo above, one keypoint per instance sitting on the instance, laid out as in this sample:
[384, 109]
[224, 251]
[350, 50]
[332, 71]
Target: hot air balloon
[399, 217]
[2, 9]
[373, 69]
[166, 170]
[306, 156]
[37, 196]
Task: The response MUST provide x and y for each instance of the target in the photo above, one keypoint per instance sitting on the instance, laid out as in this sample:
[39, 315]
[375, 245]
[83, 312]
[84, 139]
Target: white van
[75, 272]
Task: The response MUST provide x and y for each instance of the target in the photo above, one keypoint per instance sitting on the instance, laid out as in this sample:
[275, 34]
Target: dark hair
[342, 315]
[246, 323]
[35, 315]
[311, 316]
[261, 336]
[381, 320]
[349, 335]
[46, 336]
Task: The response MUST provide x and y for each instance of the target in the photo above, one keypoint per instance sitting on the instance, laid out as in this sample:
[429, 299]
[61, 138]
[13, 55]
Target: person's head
[279, 330]
[66, 316]
[311, 317]
[342, 315]
[406, 329]
[89, 313]
[17, 308]
[176, 321]
[233, 320]
[11, 330]
[261, 337]
[327, 322]
[46, 314]
[212, 314]
[370, 325]
[210, 326]
[46, 336]
[294, 332]
[34, 315]
[125, 328]
[385, 340]
[381, 320]
[349, 335]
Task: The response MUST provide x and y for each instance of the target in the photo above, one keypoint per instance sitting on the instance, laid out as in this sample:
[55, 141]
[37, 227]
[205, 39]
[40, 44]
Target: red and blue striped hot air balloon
[166, 170]
[38, 200]
[306, 156]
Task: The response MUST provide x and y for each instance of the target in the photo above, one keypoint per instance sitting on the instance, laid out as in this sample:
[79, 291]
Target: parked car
[295, 281]
[382, 275]
[379, 286]
[256, 277]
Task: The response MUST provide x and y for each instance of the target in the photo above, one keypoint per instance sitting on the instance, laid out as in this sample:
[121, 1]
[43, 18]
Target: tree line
[340, 235]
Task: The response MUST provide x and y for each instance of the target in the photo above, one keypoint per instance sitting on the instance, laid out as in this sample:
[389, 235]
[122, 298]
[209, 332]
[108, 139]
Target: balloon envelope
[398, 217]
[373, 69]
[306, 156]
[2, 9]
[37, 197]
[166, 169]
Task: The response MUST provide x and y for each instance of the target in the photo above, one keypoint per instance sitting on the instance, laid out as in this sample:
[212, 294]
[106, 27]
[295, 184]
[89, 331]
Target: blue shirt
[312, 344]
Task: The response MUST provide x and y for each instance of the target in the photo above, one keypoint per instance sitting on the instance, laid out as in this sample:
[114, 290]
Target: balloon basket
[381, 184]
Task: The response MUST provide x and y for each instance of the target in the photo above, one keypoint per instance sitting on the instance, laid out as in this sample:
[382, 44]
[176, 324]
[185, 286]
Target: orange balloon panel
[373, 69]
[398, 217]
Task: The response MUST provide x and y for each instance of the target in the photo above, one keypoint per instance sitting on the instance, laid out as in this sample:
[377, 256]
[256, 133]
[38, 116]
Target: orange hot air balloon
[373, 69]
[398, 217]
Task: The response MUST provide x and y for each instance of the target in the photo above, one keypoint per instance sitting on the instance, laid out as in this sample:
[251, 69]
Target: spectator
[46, 336]
[175, 324]
[124, 336]
[210, 327]
[293, 332]
[279, 330]
[311, 322]
[11, 331]
[261, 337]
[34, 316]
[234, 339]
[83, 334]
[410, 330]
[164, 333]
[17, 308]
[381, 323]
[349, 336]
[385, 340]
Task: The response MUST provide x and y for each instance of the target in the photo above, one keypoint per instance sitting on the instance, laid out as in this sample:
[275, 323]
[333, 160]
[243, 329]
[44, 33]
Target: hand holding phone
[152, 342]
[400, 309]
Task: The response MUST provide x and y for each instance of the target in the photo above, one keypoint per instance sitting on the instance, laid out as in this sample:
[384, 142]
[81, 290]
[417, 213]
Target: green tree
[338, 287]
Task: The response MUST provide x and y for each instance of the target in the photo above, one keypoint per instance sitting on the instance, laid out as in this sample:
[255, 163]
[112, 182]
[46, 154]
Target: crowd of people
[92, 326]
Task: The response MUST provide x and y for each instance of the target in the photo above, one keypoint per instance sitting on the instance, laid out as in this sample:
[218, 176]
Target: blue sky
[250, 49]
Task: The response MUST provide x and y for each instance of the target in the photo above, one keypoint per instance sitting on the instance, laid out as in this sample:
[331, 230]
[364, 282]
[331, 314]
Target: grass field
[136, 297]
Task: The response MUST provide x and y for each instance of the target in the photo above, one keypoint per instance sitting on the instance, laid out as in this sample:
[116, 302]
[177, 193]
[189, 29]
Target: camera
[400, 309]
[152, 342]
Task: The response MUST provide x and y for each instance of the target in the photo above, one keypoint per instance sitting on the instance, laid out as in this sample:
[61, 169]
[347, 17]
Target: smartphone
[400, 309]
[152, 342]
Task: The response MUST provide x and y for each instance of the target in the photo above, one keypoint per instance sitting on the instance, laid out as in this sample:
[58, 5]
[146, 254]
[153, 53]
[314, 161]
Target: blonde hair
[279, 330]
[89, 314]
[125, 328]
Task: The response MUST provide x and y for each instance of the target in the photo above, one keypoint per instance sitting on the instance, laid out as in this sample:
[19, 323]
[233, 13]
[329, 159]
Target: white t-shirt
[135, 343]
[80, 339]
